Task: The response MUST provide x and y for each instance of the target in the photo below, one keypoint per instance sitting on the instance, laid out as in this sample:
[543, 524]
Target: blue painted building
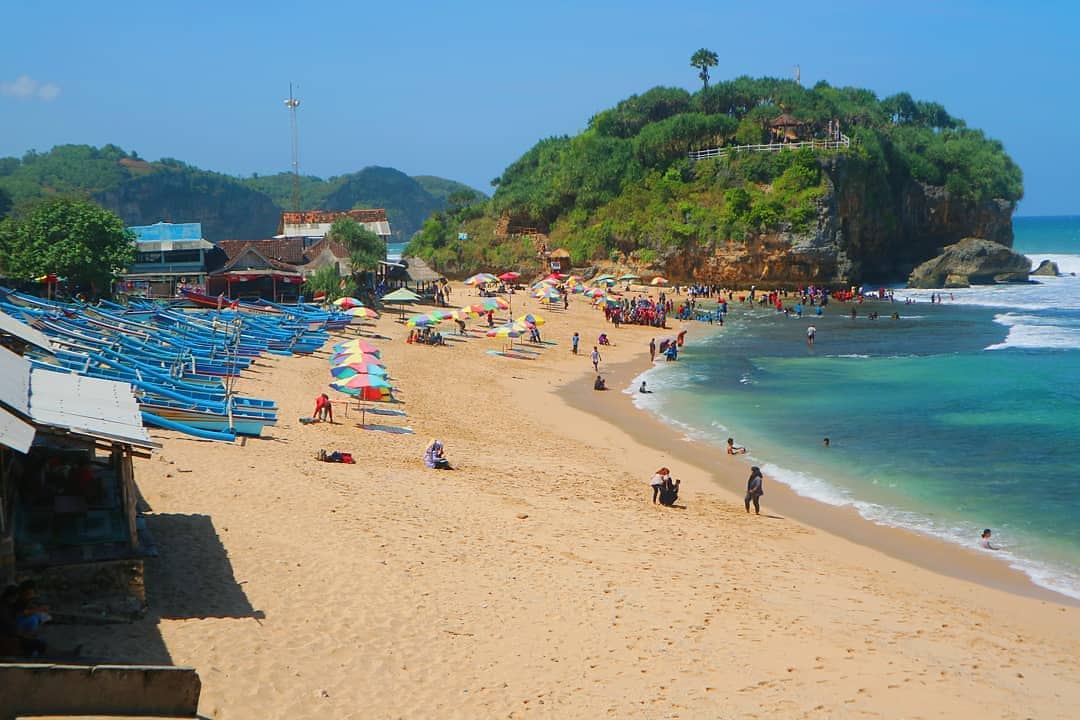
[169, 256]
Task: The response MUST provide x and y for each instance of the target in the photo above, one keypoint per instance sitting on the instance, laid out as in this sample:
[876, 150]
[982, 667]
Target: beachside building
[315, 224]
[559, 260]
[67, 487]
[274, 269]
[414, 274]
[169, 256]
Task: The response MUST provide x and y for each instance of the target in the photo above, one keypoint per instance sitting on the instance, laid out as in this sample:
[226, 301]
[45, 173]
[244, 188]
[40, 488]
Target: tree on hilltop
[704, 59]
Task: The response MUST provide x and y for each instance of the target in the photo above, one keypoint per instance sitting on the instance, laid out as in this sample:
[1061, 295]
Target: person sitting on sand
[754, 490]
[733, 449]
[435, 456]
[669, 493]
[324, 409]
[984, 541]
[603, 339]
[599, 384]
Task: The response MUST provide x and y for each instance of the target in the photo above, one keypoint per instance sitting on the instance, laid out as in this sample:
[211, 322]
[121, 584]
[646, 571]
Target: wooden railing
[843, 142]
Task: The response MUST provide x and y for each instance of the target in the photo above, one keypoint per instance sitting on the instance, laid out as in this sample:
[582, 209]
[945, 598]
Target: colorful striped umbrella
[659, 281]
[380, 392]
[362, 312]
[345, 303]
[481, 279]
[602, 278]
[344, 372]
[594, 292]
[629, 276]
[508, 330]
[531, 319]
[495, 303]
[356, 345]
[507, 276]
[421, 321]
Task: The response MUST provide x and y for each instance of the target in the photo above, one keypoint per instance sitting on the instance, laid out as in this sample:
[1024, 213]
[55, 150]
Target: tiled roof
[307, 217]
[337, 249]
[286, 250]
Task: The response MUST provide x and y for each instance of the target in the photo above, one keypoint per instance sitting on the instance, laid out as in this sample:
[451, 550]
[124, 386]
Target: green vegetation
[76, 239]
[365, 248]
[625, 186]
[327, 280]
[229, 207]
[703, 60]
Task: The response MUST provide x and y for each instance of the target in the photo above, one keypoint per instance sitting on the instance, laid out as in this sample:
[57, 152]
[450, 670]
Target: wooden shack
[559, 260]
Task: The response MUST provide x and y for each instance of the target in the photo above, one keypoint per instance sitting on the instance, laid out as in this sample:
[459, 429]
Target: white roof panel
[87, 406]
[15, 387]
[15, 433]
[14, 326]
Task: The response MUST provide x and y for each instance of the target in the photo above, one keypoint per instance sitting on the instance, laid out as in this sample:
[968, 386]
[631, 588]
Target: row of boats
[181, 362]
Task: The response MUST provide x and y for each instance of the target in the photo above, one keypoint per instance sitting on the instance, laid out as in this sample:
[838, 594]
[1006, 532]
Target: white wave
[1064, 580]
[1066, 263]
[1037, 331]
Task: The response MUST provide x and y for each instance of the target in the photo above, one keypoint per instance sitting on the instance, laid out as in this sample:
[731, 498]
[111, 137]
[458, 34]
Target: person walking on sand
[652, 350]
[574, 343]
[595, 356]
[811, 333]
[754, 490]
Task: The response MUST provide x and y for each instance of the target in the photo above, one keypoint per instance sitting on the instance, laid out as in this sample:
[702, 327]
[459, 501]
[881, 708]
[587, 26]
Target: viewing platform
[841, 142]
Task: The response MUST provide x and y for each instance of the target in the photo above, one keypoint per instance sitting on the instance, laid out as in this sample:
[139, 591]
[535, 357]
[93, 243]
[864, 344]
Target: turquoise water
[956, 417]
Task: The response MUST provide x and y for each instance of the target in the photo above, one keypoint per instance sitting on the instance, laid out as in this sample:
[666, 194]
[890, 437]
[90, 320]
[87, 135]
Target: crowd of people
[642, 310]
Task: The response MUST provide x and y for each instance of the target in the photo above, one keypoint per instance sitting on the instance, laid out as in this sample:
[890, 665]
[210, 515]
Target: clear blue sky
[462, 89]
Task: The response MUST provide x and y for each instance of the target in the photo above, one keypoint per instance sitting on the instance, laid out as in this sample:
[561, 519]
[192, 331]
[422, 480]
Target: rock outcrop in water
[1047, 268]
[972, 261]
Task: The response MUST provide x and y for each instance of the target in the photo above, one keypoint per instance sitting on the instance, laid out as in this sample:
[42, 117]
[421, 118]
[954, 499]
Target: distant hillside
[228, 207]
[441, 187]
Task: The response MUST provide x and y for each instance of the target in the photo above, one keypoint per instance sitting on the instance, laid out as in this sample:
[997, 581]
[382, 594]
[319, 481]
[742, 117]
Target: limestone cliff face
[868, 230]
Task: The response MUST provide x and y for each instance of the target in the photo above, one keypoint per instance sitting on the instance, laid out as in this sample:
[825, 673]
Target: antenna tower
[798, 75]
[292, 103]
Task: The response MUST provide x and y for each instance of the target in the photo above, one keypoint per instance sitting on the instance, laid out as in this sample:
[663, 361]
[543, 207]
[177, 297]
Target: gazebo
[787, 129]
[559, 260]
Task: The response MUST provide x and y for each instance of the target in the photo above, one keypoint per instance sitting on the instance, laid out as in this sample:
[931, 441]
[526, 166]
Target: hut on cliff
[559, 260]
[788, 129]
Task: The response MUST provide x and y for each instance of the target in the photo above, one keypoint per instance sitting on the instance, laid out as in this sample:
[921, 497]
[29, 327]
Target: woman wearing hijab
[754, 489]
[434, 456]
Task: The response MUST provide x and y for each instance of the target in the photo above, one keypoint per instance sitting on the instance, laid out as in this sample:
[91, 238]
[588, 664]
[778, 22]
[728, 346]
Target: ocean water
[956, 417]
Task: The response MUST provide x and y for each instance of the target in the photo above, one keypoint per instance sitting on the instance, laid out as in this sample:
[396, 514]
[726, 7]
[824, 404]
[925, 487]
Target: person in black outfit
[669, 491]
[754, 489]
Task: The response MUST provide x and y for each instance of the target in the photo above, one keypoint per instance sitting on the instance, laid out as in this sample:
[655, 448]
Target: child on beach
[984, 541]
[595, 357]
[656, 482]
[435, 456]
[733, 449]
[574, 343]
[324, 409]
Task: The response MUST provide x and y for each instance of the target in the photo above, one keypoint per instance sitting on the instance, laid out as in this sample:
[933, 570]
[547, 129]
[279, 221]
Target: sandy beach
[537, 579]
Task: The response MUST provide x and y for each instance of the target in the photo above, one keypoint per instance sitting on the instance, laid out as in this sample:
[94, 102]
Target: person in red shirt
[324, 409]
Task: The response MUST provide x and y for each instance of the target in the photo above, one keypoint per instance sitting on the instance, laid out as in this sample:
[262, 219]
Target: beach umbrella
[606, 300]
[358, 357]
[575, 289]
[629, 276]
[345, 303]
[602, 278]
[557, 276]
[659, 281]
[357, 345]
[531, 319]
[575, 280]
[421, 321]
[481, 279]
[495, 303]
[401, 295]
[594, 292]
[364, 313]
[365, 387]
[508, 276]
[442, 314]
[344, 372]
[549, 295]
[508, 330]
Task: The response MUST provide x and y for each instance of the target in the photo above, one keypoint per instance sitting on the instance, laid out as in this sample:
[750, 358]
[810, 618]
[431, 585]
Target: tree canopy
[365, 248]
[73, 238]
[704, 59]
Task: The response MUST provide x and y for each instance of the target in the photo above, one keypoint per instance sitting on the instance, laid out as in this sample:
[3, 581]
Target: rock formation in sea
[1047, 267]
[972, 261]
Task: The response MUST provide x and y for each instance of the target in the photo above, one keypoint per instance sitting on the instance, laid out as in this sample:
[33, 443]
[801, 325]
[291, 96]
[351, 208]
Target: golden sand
[538, 579]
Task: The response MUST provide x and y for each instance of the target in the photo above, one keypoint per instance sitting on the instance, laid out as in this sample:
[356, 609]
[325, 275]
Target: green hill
[229, 207]
[625, 190]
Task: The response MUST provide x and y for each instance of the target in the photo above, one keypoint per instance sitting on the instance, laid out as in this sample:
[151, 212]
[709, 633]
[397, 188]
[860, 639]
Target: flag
[341, 285]
[319, 296]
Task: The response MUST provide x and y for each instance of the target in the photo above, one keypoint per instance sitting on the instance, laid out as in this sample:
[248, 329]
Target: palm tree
[704, 59]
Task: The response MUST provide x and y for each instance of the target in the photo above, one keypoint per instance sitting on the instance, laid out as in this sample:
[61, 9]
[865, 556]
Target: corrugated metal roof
[15, 389]
[168, 231]
[13, 326]
[15, 433]
[87, 406]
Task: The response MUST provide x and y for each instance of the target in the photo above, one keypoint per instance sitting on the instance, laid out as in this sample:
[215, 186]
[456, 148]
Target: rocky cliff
[867, 230]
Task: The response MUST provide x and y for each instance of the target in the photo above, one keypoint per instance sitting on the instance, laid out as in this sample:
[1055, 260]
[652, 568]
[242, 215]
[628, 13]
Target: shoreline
[728, 476]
